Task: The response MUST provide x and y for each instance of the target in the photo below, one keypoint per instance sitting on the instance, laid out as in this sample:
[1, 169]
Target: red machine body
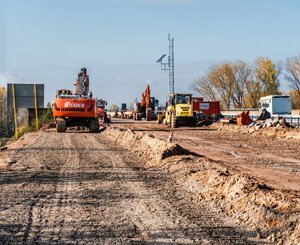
[74, 106]
[78, 109]
[209, 108]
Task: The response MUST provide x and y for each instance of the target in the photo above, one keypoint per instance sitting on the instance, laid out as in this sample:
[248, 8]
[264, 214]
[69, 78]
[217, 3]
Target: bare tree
[293, 77]
[295, 99]
[204, 88]
[242, 73]
[222, 79]
[240, 85]
[224, 82]
[253, 94]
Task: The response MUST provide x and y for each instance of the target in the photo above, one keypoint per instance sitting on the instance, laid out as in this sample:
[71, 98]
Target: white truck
[276, 104]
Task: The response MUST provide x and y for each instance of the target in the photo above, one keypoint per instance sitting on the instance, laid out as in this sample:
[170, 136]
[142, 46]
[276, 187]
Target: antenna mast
[170, 65]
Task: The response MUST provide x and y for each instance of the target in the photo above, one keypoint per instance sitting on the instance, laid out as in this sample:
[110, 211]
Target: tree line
[240, 85]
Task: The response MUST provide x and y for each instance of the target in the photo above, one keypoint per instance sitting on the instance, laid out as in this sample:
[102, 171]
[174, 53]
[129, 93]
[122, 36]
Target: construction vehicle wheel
[173, 122]
[194, 124]
[94, 126]
[148, 114]
[139, 116]
[61, 125]
[164, 121]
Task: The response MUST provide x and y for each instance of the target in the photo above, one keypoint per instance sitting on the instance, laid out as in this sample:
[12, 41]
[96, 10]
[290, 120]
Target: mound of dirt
[146, 145]
[272, 213]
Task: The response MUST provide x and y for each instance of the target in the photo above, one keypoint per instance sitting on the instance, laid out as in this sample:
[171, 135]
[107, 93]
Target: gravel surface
[81, 188]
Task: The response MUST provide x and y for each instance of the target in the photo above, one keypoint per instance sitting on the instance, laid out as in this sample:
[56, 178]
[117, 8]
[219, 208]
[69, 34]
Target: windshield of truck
[183, 99]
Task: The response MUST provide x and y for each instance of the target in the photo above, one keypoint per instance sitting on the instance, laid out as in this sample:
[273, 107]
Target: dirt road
[273, 160]
[80, 188]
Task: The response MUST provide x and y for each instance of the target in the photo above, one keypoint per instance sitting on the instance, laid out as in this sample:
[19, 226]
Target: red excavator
[78, 108]
[146, 108]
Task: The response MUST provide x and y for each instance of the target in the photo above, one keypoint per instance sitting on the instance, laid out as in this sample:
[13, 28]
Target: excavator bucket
[243, 118]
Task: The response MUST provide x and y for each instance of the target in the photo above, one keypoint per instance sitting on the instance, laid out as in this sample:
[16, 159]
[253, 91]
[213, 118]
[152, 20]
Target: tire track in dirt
[82, 188]
[46, 209]
[158, 220]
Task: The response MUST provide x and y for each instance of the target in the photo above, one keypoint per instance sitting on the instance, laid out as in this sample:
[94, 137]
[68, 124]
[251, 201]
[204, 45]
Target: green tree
[266, 74]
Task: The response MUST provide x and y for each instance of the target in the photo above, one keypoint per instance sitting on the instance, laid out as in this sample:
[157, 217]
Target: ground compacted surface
[84, 188]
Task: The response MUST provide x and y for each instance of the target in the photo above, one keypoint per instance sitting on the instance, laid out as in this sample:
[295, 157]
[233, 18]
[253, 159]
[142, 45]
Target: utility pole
[169, 65]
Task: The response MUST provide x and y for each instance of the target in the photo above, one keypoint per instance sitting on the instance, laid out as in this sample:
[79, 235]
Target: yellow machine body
[180, 111]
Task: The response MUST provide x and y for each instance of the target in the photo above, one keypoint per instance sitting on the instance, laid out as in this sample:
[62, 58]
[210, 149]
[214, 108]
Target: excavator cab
[63, 92]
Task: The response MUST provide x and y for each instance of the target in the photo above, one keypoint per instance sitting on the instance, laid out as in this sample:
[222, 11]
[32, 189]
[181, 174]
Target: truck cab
[276, 104]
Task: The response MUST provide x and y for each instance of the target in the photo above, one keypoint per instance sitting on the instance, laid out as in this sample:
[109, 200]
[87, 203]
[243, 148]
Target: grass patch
[45, 119]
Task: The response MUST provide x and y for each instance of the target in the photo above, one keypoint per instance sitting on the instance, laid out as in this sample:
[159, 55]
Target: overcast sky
[48, 41]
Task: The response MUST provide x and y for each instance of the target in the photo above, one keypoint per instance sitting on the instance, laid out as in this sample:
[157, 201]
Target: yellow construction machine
[179, 111]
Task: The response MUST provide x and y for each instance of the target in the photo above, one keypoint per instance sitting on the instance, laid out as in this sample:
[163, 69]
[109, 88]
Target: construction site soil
[128, 185]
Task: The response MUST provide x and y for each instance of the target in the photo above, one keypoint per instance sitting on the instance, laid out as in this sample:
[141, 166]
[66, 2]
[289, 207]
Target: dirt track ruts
[81, 188]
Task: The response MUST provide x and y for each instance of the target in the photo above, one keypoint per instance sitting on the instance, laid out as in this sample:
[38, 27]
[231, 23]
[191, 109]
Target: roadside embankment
[273, 213]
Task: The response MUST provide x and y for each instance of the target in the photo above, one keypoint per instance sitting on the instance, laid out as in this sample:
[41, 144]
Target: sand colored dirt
[273, 213]
[85, 188]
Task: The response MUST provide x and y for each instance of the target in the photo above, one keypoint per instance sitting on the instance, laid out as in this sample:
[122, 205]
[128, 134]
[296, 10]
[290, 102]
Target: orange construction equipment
[78, 109]
[243, 118]
[146, 107]
[146, 103]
